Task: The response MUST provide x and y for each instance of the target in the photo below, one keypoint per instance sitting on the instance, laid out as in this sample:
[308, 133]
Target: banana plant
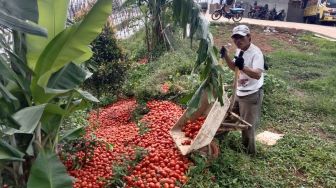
[39, 84]
[188, 13]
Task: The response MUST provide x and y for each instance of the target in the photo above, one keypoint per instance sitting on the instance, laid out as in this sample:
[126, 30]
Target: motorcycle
[253, 10]
[262, 13]
[274, 15]
[235, 13]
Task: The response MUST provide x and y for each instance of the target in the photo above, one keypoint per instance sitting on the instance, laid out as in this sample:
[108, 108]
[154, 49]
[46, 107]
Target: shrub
[106, 64]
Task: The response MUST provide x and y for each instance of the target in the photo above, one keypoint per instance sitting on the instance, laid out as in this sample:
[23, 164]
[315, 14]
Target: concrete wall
[295, 12]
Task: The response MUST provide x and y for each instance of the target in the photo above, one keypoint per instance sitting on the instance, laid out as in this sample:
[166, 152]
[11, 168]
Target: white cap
[242, 30]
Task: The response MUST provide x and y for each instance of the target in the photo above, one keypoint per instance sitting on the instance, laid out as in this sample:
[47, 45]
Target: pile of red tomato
[163, 166]
[192, 128]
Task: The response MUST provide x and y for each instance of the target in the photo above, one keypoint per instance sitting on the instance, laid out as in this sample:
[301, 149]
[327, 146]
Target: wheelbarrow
[219, 119]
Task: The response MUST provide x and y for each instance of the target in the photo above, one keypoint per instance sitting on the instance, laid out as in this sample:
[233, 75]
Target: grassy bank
[300, 102]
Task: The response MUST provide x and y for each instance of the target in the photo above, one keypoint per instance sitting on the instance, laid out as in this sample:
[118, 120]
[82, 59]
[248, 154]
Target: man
[248, 99]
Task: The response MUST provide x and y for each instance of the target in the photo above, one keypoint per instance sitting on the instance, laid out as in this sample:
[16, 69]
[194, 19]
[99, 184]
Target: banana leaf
[67, 46]
[24, 26]
[52, 16]
[73, 134]
[69, 77]
[27, 118]
[48, 172]
[27, 10]
[8, 152]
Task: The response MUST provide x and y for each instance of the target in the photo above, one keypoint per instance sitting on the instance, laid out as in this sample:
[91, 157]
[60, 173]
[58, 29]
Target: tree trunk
[17, 166]
[157, 29]
[147, 35]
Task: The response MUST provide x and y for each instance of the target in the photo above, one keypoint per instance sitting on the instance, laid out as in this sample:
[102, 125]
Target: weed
[79, 151]
[77, 119]
[124, 168]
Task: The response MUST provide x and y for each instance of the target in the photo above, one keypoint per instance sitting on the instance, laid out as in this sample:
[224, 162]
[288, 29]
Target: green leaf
[205, 72]
[27, 10]
[54, 109]
[9, 74]
[9, 107]
[67, 46]
[27, 118]
[87, 55]
[48, 172]
[66, 79]
[209, 90]
[78, 105]
[202, 29]
[186, 98]
[50, 123]
[19, 63]
[73, 134]
[8, 152]
[21, 25]
[88, 96]
[202, 52]
[51, 118]
[6, 94]
[109, 147]
[213, 56]
[6, 108]
[52, 16]
[194, 103]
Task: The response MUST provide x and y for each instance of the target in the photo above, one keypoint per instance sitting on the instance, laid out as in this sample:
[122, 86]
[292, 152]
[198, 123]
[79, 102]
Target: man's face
[242, 42]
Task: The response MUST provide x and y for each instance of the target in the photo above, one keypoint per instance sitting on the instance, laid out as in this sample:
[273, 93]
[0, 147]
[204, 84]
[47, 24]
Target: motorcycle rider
[263, 12]
[254, 10]
[281, 15]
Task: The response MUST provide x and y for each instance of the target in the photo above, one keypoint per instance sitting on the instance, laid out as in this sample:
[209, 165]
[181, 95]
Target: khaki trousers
[249, 109]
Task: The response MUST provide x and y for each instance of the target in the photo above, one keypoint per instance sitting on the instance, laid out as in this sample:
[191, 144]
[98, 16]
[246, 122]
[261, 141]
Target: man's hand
[239, 62]
[222, 52]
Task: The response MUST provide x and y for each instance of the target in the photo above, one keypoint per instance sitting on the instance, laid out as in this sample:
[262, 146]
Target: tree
[105, 64]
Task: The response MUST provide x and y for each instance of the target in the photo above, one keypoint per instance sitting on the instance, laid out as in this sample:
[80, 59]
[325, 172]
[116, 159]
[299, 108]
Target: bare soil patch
[262, 36]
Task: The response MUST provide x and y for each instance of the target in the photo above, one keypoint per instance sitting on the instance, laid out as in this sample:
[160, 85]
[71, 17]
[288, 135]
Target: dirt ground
[265, 37]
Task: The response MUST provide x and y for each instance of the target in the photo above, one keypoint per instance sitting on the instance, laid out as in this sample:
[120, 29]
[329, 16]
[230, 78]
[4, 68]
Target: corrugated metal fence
[126, 20]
